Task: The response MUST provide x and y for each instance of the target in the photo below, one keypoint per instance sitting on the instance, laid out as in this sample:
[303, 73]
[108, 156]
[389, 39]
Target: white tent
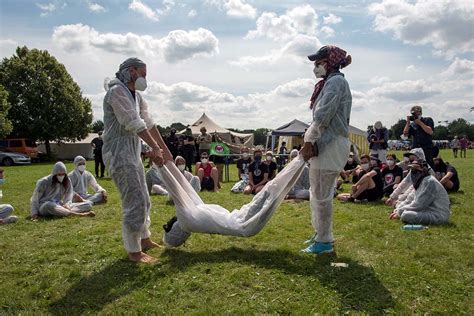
[232, 139]
[69, 150]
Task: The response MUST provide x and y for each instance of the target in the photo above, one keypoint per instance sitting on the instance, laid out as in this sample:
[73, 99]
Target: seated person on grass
[430, 205]
[348, 171]
[81, 179]
[370, 185]
[195, 182]
[258, 173]
[6, 209]
[391, 175]
[446, 174]
[272, 166]
[300, 190]
[243, 164]
[207, 173]
[154, 182]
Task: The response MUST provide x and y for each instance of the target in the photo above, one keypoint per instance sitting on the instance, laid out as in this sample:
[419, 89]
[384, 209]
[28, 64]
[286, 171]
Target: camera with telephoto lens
[413, 117]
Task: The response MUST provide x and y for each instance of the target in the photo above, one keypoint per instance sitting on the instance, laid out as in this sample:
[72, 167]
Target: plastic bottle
[414, 227]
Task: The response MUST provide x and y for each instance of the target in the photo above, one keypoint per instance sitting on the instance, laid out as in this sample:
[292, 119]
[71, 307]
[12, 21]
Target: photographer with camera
[421, 128]
[378, 138]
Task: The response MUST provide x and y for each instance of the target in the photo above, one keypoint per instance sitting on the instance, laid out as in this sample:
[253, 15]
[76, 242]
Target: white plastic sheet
[194, 216]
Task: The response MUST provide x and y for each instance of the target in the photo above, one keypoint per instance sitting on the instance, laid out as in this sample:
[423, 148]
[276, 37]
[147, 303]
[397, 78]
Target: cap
[322, 53]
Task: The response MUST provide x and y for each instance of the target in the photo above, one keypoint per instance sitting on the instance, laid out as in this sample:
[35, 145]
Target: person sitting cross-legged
[81, 179]
[430, 204]
[195, 182]
[243, 171]
[207, 173]
[446, 174]
[258, 174]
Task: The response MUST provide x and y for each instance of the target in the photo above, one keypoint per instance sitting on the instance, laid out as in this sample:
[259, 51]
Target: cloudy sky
[244, 62]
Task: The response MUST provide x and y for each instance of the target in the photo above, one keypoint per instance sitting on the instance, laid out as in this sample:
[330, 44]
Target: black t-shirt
[272, 167]
[378, 179]
[98, 143]
[420, 137]
[389, 176]
[172, 142]
[258, 171]
[189, 138]
[454, 178]
[243, 165]
[350, 166]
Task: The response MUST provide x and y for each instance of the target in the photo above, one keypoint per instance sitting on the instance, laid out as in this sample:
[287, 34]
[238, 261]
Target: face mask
[258, 158]
[365, 166]
[415, 176]
[204, 160]
[406, 159]
[319, 71]
[2, 181]
[140, 84]
[245, 155]
[269, 158]
[350, 160]
[181, 167]
[60, 179]
[81, 168]
[390, 162]
[373, 163]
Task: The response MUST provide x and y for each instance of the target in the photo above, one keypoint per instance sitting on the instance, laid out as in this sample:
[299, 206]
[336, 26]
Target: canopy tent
[292, 133]
[232, 139]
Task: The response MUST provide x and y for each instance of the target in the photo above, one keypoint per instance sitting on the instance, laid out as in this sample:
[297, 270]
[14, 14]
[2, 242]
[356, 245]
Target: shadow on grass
[91, 293]
[358, 286]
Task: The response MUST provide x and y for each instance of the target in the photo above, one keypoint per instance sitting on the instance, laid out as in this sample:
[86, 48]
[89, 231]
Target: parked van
[21, 145]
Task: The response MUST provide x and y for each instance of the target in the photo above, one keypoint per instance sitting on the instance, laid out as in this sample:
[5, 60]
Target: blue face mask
[258, 158]
[2, 181]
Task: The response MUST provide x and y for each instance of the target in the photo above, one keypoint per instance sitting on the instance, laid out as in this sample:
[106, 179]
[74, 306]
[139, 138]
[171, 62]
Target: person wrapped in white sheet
[326, 142]
[430, 202]
[81, 179]
[126, 121]
[53, 196]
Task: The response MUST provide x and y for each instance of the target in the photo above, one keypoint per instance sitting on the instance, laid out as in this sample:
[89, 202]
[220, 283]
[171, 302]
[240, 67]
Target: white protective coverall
[6, 211]
[124, 118]
[154, 183]
[430, 204]
[81, 180]
[54, 199]
[330, 131]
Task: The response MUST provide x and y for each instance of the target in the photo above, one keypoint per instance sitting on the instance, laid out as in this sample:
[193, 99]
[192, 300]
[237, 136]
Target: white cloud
[239, 8]
[301, 19]
[143, 9]
[446, 25]
[46, 8]
[407, 90]
[331, 19]
[176, 46]
[234, 8]
[167, 6]
[328, 31]
[96, 8]
[378, 80]
[411, 68]
[460, 67]
[192, 13]
[8, 41]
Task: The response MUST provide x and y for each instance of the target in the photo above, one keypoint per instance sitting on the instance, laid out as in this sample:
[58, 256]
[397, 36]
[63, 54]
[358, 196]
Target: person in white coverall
[6, 210]
[126, 121]
[53, 196]
[326, 142]
[81, 179]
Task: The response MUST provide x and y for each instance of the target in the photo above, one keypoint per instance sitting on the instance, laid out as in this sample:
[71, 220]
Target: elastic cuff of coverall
[136, 126]
[132, 242]
[146, 234]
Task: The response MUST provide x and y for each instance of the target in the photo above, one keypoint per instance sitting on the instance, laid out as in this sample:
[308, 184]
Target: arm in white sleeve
[125, 110]
[324, 110]
[35, 198]
[424, 196]
[68, 194]
[402, 187]
[145, 114]
[95, 186]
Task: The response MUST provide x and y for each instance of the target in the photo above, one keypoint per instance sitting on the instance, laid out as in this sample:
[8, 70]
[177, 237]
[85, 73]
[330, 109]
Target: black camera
[413, 117]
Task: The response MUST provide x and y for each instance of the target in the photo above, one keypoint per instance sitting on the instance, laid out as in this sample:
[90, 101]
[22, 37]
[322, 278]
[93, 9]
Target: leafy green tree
[47, 105]
[5, 123]
[97, 126]
[459, 127]
[397, 129]
[441, 132]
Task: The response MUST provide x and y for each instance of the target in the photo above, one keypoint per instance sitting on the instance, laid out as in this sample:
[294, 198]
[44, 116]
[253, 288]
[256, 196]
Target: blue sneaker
[319, 247]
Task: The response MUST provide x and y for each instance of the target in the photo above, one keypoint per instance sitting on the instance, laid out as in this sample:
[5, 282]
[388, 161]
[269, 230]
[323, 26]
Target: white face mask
[269, 158]
[319, 71]
[245, 155]
[365, 166]
[181, 167]
[204, 160]
[60, 178]
[390, 163]
[140, 84]
[350, 160]
[81, 168]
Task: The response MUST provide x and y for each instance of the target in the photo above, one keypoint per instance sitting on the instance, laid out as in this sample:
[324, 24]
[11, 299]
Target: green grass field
[78, 265]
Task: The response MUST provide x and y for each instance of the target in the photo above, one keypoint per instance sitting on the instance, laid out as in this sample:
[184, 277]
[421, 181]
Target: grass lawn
[77, 265]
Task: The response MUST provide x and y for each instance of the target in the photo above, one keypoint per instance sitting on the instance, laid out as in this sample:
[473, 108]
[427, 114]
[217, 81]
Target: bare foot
[148, 244]
[141, 257]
